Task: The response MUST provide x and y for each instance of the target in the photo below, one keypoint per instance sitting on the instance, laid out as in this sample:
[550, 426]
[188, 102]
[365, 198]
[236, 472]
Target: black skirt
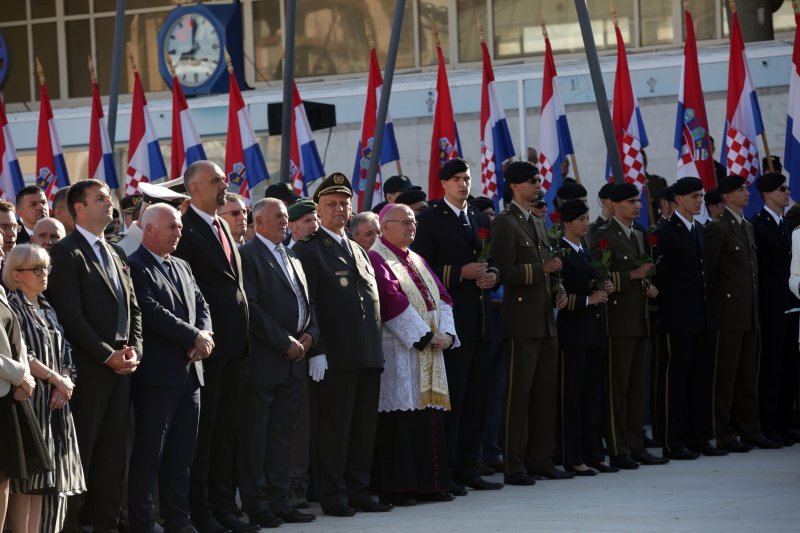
[22, 448]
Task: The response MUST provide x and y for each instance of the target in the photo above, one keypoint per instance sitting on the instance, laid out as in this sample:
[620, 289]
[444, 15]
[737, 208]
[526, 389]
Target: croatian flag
[186, 145]
[628, 127]
[145, 162]
[691, 125]
[791, 155]
[244, 162]
[445, 144]
[11, 179]
[101, 155]
[51, 169]
[389, 151]
[555, 142]
[304, 163]
[496, 144]
[742, 120]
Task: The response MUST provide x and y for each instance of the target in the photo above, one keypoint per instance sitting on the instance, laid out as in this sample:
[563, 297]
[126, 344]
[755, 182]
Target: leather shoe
[264, 519]
[648, 459]
[623, 462]
[763, 442]
[681, 454]
[185, 529]
[520, 479]
[603, 469]
[555, 473]
[650, 443]
[293, 516]
[498, 466]
[441, 496]
[588, 472]
[479, 483]
[399, 500]
[458, 490]
[234, 524]
[372, 506]
[206, 523]
[792, 433]
[342, 511]
[735, 446]
[709, 451]
[485, 470]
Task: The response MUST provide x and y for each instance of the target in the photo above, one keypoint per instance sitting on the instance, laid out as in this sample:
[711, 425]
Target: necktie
[344, 244]
[635, 241]
[113, 278]
[169, 266]
[226, 247]
[298, 293]
[464, 222]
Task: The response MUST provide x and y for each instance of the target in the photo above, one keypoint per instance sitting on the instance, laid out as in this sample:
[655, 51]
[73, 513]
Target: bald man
[47, 232]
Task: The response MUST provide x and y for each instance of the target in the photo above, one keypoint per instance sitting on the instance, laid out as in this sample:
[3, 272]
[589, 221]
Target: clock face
[193, 44]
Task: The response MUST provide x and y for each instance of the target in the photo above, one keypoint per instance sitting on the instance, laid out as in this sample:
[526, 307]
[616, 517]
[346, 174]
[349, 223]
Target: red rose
[555, 218]
[483, 234]
[652, 240]
[602, 244]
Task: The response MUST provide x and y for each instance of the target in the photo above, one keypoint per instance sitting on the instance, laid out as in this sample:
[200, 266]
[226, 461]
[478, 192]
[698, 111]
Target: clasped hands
[440, 341]
[298, 347]
[484, 278]
[124, 361]
[203, 346]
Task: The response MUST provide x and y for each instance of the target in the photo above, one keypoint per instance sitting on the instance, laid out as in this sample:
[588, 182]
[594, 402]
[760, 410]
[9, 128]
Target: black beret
[572, 209]
[713, 197]
[667, 193]
[282, 191]
[300, 209]
[333, 184]
[452, 167]
[605, 191]
[482, 203]
[770, 181]
[571, 190]
[622, 192]
[520, 172]
[730, 184]
[687, 185]
[399, 184]
[410, 197]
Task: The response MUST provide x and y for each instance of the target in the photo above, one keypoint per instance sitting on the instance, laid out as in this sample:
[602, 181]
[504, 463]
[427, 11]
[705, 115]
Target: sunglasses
[235, 212]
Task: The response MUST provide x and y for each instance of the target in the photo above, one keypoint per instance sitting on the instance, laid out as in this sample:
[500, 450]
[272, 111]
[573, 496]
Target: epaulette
[114, 239]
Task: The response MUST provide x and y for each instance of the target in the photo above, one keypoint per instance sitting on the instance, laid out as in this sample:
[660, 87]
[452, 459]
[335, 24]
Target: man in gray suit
[282, 330]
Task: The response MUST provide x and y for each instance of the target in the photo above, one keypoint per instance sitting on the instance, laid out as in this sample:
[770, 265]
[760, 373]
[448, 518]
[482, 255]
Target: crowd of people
[292, 351]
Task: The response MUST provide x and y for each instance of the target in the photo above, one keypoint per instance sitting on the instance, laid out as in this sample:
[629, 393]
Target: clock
[195, 38]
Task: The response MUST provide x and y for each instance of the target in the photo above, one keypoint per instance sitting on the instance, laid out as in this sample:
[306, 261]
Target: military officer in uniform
[520, 249]
[627, 328]
[346, 362]
[606, 209]
[130, 240]
[733, 267]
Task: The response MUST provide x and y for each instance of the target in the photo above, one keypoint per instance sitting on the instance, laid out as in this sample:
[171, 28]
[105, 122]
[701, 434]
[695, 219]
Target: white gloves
[317, 366]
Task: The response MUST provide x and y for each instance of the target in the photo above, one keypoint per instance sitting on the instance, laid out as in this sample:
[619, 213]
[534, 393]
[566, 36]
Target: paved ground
[758, 491]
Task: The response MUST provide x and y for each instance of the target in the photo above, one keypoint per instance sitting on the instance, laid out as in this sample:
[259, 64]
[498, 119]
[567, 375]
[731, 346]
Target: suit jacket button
[625, 257]
[614, 302]
[728, 295]
[597, 315]
[737, 248]
[519, 299]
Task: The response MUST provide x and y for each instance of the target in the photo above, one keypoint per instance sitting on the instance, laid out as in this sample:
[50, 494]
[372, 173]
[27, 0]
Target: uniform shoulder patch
[114, 239]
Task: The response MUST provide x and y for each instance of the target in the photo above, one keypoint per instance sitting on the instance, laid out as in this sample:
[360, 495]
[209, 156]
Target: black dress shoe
[264, 519]
[651, 443]
[792, 433]
[555, 473]
[185, 529]
[588, 472]
[206, 523]
[399, 500]
[764, 443]
[293, 516]
[623, 462]
[372, 506]
[440, 496]
[237, 526]
[681, 454]
[776, 437]
[735, 446]
[709, 451]
[342, 511]
[479, 483]
[458, 490]
[520, 479]
[648, 459]
[604, 469]
[498, 466]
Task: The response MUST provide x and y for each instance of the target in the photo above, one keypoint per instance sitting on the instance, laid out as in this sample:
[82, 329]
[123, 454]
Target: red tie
[226, 247]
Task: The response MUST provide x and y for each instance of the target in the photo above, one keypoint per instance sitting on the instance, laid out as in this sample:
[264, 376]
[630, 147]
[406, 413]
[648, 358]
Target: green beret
[300, 209]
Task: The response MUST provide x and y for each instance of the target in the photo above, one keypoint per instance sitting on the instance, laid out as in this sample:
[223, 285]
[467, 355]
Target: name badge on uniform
[342, 275]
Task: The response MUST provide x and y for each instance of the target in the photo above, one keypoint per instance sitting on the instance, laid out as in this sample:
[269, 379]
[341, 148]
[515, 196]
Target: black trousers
[581, 406]
[211, 479]
[777, 375]
[468, 377]
[686, 405]
[166, 420]
[264, 444]
[100, 408]
[735, 386]
[344, 412]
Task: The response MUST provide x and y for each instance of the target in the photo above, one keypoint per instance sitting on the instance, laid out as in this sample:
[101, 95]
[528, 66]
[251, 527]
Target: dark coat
[774, 245]
[580, 325]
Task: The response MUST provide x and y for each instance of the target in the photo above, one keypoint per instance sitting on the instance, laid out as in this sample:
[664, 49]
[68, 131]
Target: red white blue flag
[691, 124]
[186, 145]
[11, 179]
[145, 162]
[101, 155]
[244, 162]
[51, 169]
[445, 144]
[389, 151]
[791, 155]
[555, 141]
[304, 162]
[496, 144]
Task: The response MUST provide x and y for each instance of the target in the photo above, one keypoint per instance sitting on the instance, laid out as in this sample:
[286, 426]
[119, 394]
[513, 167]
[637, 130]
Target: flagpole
[383, 105]
[40, 72]
[113, 95]
[92, 74]
[600, 91]
[288, 89]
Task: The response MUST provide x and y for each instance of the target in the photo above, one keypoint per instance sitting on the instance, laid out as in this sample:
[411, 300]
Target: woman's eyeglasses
[39, 270]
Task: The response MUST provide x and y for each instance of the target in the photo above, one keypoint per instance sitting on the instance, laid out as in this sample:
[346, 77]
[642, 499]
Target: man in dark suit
[777, 371]
[520, 250]
[450, 239]
[627, 328]
[91, 290]
[31, 207]
[733, 267]
[209, 248]
[346, 362]
[176, 326]
[684, 319]
[282, 330]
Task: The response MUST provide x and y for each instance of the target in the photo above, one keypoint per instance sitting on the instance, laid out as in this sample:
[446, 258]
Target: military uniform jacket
[445, 245]
[682, 278]
[519, 248]
[627, 305]
[733, 267]
[580, 325]
[774, 245]
[344, 297]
